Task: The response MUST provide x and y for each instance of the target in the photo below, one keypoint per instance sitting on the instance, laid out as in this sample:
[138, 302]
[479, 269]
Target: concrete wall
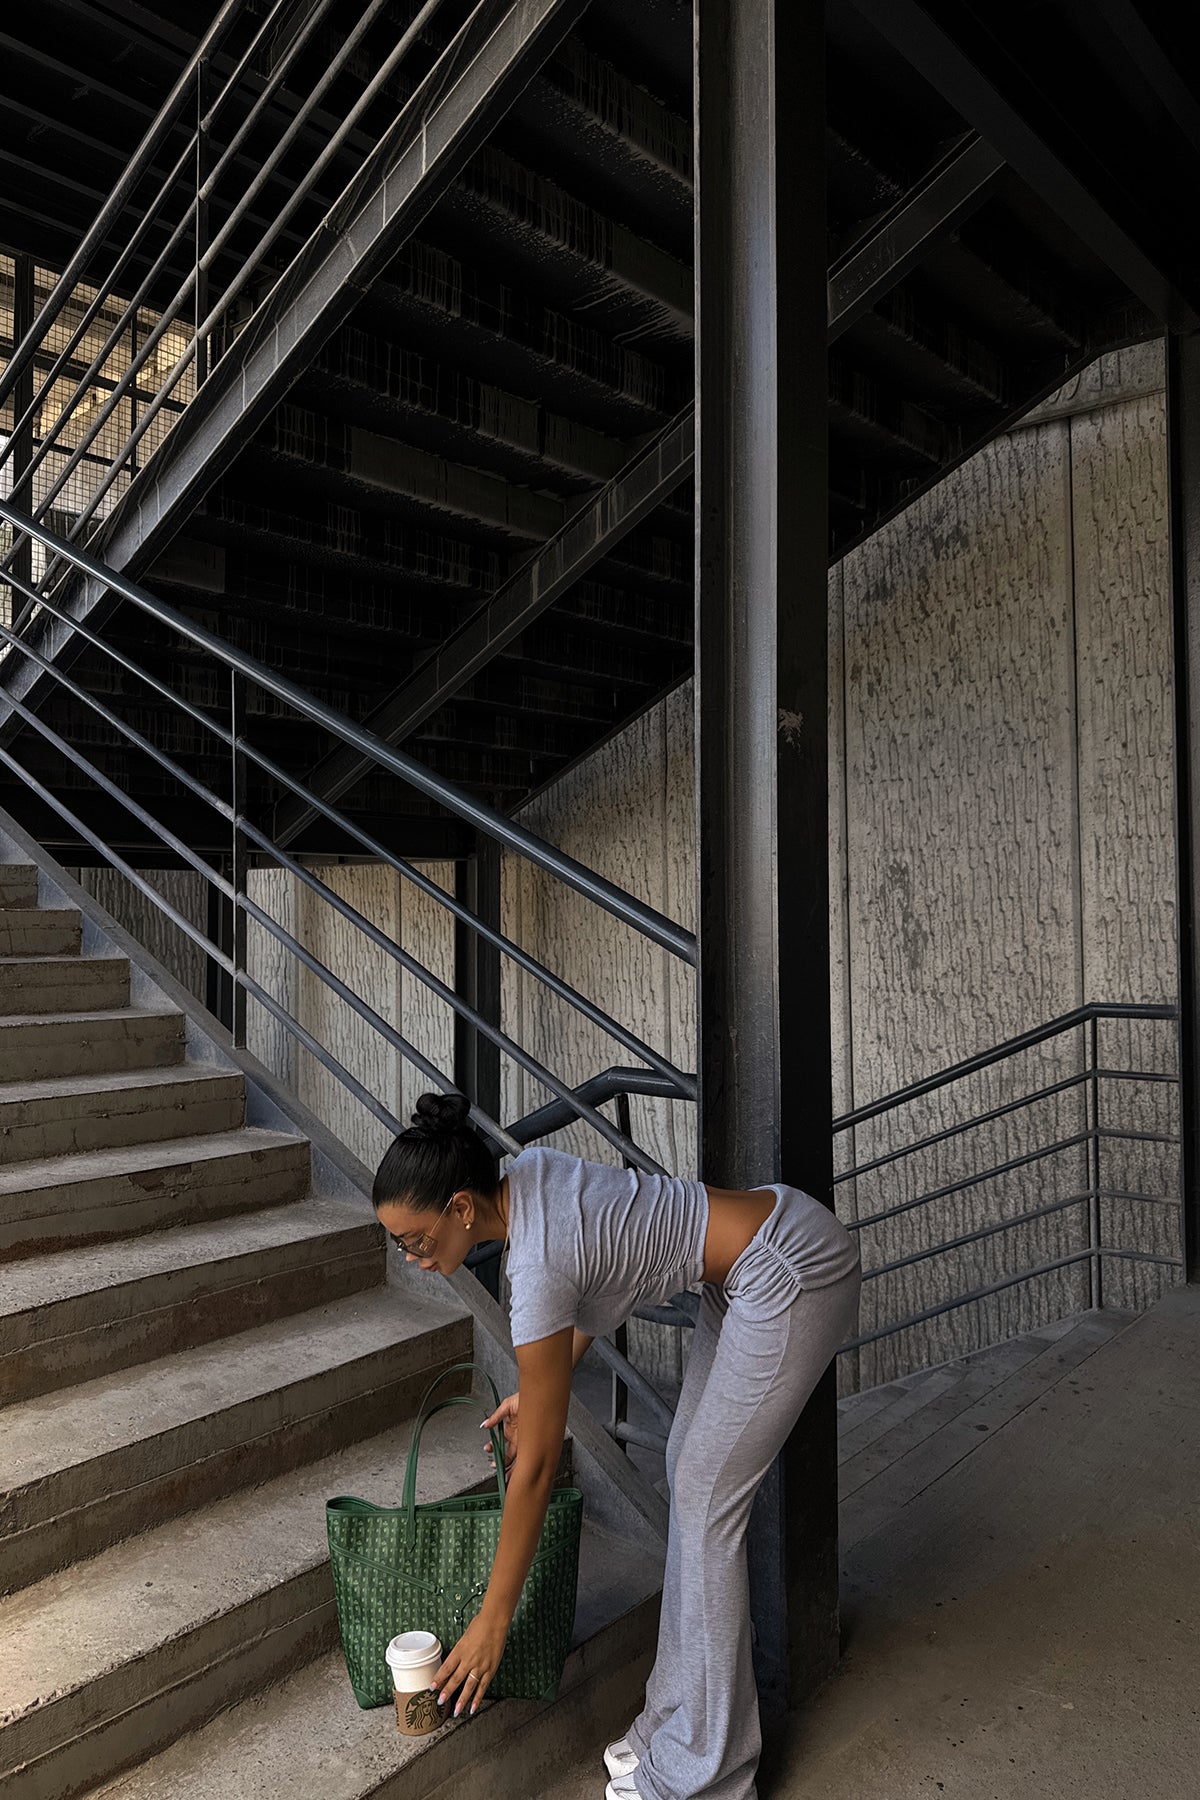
[1001, 850]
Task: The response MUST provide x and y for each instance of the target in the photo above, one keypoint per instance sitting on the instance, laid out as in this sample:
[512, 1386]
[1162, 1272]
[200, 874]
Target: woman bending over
[587, 1243]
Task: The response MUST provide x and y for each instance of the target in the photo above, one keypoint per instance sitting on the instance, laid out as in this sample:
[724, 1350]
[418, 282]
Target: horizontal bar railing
[659, 1078]
[204, 247]
[483, 818]
[1024, 1040]
[672, 1078]
[577, 1105]
[113, 209]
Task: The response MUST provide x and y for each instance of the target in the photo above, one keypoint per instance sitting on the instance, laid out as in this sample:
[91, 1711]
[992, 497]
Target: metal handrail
[485, 819]
[250, 265]
[113, 208]
[195, 283]
[579, 1102]
[577, 1105]
[674, 1080]
[1025, 1040]
[152, 217]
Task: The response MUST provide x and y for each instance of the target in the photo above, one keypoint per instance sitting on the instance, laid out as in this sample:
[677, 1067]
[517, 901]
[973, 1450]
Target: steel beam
[1183, 504]
[895, 244]
[996, 98]
[1119, 38]
[649, 478]
[886, 253]
[761, 719]
[239, 394]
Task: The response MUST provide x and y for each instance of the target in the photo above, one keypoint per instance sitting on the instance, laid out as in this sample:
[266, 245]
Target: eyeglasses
[424, 1241]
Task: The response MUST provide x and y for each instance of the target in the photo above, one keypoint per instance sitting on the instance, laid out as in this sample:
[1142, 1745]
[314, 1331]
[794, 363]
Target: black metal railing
[655, 1074]
[1083, 1204]
[245, 840]
[277, 126]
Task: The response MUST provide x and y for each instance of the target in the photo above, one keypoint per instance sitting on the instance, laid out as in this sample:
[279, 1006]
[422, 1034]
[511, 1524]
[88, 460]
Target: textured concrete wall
[1001, 850]
[171, 946]
[409, 918]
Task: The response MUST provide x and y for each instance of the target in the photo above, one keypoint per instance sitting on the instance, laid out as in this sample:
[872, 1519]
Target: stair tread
[38, 959]
[878, 1482]
[42, 912]
[113, 1081]
[131, 1159]
[67, 1274]
[100, 1015]
[250, 1749]
[75, 1626]
[55, 1432]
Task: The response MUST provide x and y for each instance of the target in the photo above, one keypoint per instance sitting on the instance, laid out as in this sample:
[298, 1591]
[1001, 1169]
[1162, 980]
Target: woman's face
[438, 1245]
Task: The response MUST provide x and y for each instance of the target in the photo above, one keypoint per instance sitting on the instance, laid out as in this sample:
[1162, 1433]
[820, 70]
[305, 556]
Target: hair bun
[439, 1115]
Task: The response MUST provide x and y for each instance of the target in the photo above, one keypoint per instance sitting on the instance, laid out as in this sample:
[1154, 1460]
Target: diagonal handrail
[483, 818]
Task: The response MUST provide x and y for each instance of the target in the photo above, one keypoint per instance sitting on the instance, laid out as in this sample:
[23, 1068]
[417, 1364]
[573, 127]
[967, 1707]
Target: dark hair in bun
[439, 1115]
[439, 1153]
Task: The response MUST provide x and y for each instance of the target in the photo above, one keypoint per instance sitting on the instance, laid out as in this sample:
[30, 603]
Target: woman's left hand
[471, 1664]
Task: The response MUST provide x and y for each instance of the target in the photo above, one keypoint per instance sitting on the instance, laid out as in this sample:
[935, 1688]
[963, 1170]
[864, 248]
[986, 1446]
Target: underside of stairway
[496, 365]
[201, 1340]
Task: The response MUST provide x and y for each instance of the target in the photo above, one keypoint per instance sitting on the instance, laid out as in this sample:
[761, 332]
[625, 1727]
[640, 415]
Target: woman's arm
[544, 1373]
[506, 1414]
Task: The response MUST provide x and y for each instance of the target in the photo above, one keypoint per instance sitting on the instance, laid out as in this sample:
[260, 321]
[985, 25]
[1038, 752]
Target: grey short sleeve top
[588, 1242]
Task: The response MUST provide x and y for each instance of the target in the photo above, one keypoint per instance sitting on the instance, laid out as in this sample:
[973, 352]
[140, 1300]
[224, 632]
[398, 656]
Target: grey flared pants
[761, 1344]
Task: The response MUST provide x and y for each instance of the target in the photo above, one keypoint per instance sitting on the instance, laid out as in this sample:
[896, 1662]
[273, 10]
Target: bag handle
[408, 1501]
[460, 1368]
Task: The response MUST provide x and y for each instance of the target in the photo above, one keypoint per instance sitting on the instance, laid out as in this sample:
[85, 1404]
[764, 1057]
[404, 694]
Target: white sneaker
[619, 1759]
[622, 1787]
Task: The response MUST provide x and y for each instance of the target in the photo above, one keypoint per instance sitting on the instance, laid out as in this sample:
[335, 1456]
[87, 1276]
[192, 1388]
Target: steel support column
[761, 712]
[1183, 455]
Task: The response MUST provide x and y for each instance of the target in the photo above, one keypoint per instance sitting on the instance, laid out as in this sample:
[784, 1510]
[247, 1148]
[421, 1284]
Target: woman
[587, 1243]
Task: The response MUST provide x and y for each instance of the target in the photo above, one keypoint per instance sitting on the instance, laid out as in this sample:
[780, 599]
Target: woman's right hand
[506, 1415]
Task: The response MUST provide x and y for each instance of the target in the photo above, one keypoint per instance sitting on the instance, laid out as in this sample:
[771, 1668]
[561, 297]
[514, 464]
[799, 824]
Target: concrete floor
[1027, 1625]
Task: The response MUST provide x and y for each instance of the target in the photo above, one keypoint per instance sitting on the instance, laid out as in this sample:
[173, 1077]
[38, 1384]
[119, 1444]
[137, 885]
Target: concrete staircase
[200, 1341]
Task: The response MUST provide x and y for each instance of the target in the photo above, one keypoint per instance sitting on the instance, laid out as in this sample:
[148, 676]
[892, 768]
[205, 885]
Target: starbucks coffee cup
[414, 1658]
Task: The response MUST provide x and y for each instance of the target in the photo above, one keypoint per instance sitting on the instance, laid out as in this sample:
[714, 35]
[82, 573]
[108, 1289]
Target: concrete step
[867, 1416]
[106, 1662]
[81, 1469]
[18, 885]
[306, 1739]
[56, 1201]
[56, 984]
[79, 1113]
[890, 1474]
[40, 931]
[80, 1314]
[859, 1415]
[42, 1047]
[875, 1444]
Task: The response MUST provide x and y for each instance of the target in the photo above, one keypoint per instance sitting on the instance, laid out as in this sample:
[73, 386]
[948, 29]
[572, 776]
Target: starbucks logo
[421, 1713]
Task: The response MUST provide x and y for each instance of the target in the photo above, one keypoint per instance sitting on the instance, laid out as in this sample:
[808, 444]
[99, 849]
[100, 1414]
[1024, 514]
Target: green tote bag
[426, 1568]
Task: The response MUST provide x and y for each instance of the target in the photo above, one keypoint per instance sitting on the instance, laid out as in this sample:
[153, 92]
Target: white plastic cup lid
[412, 1648]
